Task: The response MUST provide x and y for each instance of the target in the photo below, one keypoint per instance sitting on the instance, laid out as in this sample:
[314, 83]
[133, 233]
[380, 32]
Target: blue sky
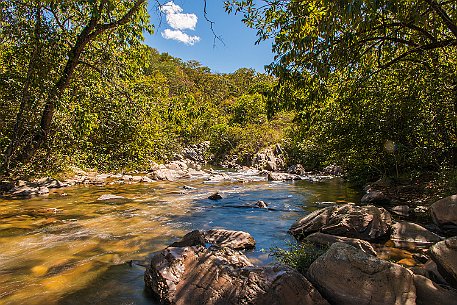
[183, 32]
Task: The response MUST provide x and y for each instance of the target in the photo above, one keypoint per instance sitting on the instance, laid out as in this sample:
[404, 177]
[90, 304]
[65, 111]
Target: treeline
[78, 87]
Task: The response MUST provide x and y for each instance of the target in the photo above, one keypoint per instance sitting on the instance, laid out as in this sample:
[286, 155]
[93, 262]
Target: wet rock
[366, 222]
[6, 186]
[375, 197]
[186, 187]
[430, 293]
[444, 214]
[231, 239]
[328, 240]
[401, 210]
[444, 254]
[195, 275]
[146, 179]
[110, 197]
[412, 236]
[272, 176]
[261, 204]
[215, 196]
[51, 183]
[346, 275]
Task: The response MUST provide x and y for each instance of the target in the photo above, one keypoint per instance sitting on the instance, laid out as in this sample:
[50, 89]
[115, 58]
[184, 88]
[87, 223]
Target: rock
[6, 186]
[401, 210]
[375, 197]
[177, 165]
[430, 271]
[215, 196]
[444, 214]
[429, 293]
[186, 187]
[196, 153]
[328, 240]
[366, 222]
[146, 179]
[270, 158]
[237, 240]
[412, 236]
[163, 174]
[195, 275]
[333, 170]
[296, 169]
[194, 238]
[51, 183]
[261, 204]
[346, 275]
[110, 197]
[232, 239]
[272, 176]
[444, 254]
[26, 191]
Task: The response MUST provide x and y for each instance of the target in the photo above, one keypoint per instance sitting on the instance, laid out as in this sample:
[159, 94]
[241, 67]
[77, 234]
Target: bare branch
[211, 24]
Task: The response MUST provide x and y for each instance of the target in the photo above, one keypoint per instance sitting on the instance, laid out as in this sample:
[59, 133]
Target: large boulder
[270, 158]
[367, 222]
[345, 275]
[430, 293]
[328, 240]
[444, 254]
[195, 275]
[444, 214]
[412, 236]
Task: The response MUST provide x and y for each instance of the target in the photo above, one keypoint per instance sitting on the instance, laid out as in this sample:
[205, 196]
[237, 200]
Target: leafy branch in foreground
[298, 256]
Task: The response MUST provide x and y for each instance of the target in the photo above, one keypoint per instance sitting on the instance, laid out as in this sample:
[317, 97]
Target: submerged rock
[237, 240]
[345, 275]
[444, 214]
[366, 222]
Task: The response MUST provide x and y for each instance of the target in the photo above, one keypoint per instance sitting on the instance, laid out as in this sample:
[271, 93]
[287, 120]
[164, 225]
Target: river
[70, 248]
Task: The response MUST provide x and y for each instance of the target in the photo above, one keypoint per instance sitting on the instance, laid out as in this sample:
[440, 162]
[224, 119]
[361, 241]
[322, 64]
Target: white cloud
[180, 36]
[182, 21]
[176, 19]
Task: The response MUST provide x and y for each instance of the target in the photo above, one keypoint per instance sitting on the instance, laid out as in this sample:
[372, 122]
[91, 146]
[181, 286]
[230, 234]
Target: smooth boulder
[430, 293]
[328, 240]
[366, 222]
[345, 275]
[412, 236]
[444, 214]
[375, 197]
[444, 254]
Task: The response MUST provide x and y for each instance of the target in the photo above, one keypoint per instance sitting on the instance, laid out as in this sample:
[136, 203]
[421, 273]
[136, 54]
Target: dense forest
[368, 85]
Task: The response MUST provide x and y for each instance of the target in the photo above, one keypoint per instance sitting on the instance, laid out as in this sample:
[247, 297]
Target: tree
[79, 31]
[319, 36]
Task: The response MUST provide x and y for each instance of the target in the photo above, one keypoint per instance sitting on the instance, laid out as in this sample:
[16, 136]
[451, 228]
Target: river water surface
[70, 248]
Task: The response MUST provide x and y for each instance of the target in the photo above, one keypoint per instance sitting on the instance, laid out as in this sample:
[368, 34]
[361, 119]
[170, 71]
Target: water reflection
[72, 249]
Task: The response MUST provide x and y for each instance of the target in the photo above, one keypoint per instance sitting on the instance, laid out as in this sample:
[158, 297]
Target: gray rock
[296, 169]
[401, 210]
[407, 235]
[444, 254]
[444, 214]
[328, 240]
[345, 275]
[366, 222]
[272, 176]
[261, 204]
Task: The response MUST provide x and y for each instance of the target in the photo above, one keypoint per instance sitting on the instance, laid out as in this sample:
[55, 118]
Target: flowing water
[70, 248]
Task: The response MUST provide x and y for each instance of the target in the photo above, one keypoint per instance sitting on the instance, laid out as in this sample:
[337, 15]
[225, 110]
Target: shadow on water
[71, 249]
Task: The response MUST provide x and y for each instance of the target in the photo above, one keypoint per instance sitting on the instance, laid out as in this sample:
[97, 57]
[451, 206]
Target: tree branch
[443, 15]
